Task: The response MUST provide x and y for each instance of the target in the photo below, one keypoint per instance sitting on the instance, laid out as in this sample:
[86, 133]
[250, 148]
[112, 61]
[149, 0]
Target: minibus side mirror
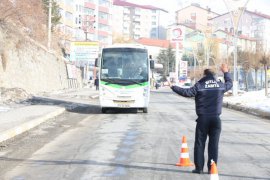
[152, 62]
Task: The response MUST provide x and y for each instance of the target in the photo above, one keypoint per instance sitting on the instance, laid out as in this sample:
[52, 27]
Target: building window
[81, 8]
[261, 27]
[104, 2]
[154, 11]
[137, 10]
[103, 27]
[153, 35]
[231, 30]
[154, 23]
[103, 15]
[62, 12]
[69, 1]
[193, 16]
[68, 15]
[89, 11]
[136, 36]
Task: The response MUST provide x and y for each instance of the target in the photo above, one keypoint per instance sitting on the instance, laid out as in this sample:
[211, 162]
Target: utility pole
[177, 58]
[49, 25]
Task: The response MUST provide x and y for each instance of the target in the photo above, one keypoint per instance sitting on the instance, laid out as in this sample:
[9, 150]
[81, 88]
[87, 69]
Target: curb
[248, 110]
[94, 96]
[28, 125]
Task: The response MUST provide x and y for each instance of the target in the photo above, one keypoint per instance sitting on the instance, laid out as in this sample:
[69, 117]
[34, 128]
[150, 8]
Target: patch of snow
[4, 109]
[254, 99]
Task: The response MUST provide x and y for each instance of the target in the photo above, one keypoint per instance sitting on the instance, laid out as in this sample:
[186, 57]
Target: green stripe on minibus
[124, 87]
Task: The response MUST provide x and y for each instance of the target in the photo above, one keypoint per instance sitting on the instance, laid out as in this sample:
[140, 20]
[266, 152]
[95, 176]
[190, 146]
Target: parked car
[186, 85]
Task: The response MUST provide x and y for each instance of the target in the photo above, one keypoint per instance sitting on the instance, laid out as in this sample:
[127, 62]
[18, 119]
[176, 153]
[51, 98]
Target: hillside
[26, 66]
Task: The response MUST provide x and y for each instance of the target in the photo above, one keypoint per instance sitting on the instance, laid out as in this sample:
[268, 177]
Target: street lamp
[191, 38]
[235, 14]
[206, 49]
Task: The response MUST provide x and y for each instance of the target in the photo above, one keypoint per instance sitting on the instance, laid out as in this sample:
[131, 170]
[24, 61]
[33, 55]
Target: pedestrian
[156, 85]
[97, 83]
[208, 93]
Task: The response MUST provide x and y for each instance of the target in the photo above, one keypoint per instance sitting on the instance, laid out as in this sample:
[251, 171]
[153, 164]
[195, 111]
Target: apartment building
[67, 25]
[244, 43]
[86, 20]
[195, 16]
[133, 21]
[252, 25]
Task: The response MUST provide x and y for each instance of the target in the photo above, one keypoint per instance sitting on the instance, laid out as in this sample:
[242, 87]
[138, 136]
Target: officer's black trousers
[210, 126]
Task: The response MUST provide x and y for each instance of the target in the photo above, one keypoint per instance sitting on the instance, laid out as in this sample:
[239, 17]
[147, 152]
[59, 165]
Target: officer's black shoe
[197, 171]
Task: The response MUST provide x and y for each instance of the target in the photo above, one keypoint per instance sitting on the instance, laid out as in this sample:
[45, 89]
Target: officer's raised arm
[227, 77]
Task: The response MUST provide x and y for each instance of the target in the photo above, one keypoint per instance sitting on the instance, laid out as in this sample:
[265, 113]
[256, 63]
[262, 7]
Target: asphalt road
[122, 145]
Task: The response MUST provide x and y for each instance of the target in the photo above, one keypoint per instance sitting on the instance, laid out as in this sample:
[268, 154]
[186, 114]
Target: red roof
[247, 37]
[246, 11]
[156, 42]
[259, 14]
[128, 4]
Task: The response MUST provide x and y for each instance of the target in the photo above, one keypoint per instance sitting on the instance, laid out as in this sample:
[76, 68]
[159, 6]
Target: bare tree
[256, 65]
[265, 60]
[167, 58]
[214, 53]
[245, 59]
[118, 38]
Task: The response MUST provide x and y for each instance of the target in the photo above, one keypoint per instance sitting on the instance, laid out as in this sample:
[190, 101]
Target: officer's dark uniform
[208, 99]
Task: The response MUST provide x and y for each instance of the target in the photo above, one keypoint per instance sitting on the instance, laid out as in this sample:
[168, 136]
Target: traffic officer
[208, 93]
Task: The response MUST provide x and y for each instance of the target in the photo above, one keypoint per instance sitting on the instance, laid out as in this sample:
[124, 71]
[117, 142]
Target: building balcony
[126, 11]
[90, 5]
[89, 18]
[70, 23]
[103, 9]
[69, 8]
[137, 32]
[103, 33]
[137, 19]
[103, 21]
[61, 5]
[87, 29]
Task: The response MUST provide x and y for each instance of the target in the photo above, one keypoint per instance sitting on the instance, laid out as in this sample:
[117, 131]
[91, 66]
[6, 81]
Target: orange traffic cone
[214, 172]
[184, 157]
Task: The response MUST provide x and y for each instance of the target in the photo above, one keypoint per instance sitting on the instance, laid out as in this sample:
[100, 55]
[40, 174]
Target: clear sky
[217, 6]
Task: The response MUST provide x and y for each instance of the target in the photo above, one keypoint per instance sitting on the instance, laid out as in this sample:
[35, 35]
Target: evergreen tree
[167, 59]
[56, 16]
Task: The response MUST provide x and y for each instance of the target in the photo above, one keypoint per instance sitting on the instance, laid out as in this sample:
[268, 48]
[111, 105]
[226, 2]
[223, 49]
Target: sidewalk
[18, 119]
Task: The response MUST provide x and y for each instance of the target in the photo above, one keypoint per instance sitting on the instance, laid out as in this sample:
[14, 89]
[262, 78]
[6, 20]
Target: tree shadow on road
[77, 107]
[70, 106]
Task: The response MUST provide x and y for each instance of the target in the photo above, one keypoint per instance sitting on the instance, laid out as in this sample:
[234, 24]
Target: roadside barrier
[184, 157]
